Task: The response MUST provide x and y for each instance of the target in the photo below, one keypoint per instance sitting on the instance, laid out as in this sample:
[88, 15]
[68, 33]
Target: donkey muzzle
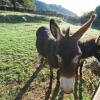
[67, 84]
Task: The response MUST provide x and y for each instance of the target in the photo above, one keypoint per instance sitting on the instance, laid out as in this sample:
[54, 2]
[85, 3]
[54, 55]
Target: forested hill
[38, 5]
[53, 7]
[18, 3]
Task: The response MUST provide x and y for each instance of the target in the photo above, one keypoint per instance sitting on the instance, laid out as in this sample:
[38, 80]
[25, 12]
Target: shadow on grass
[55, 92]
[22, 18]
[25, 88]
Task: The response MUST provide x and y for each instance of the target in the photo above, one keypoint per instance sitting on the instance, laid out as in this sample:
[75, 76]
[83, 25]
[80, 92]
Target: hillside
[53, 7]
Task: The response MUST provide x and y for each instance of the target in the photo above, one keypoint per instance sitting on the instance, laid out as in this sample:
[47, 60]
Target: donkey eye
[76, 59]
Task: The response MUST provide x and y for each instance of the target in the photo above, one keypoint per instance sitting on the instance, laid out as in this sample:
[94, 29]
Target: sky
[76, 6]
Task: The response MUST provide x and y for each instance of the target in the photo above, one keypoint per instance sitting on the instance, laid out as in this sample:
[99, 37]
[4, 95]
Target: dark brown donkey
[61, 50]
[90, 48]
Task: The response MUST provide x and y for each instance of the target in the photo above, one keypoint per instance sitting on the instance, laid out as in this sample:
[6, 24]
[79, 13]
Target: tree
[27, 3]
[13, 2]
[5, 2]
[98, 10]
[23, 3]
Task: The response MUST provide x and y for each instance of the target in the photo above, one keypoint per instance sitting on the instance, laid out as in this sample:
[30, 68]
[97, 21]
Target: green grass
[18, 51]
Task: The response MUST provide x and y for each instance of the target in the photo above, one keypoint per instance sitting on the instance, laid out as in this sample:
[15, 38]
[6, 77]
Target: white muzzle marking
[67, 84]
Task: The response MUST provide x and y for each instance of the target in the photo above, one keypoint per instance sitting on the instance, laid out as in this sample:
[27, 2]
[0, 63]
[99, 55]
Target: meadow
[19, 58]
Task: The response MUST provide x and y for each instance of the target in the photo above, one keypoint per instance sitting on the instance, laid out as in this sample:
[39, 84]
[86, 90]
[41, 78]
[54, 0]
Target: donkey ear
[77, 35]
[55, 30]
[97, 41]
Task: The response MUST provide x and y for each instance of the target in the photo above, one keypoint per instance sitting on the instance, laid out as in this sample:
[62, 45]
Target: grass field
[19, 58]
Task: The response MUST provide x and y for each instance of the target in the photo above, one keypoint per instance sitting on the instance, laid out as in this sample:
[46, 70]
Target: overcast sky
[77, 6]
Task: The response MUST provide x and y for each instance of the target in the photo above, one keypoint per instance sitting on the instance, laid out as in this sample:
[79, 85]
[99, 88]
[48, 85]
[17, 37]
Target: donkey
[90, 48]
[62, 51]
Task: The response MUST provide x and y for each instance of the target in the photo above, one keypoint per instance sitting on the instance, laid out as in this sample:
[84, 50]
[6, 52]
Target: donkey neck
[88, 48]
[52, 59]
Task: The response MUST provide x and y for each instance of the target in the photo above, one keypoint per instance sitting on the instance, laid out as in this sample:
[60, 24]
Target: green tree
[24, 3]
[13, 2]
[5, 2]
[20, 1]
[27, 3]
[98, 10]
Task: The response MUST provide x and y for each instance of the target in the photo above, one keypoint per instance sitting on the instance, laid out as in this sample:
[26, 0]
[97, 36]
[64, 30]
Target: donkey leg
[80, 84]
[58, 76]
[76, 86]
[51, 77]
[61, 93]
[56, 89]
[47, 95]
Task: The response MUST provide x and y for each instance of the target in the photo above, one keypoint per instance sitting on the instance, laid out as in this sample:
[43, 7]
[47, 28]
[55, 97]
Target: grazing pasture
[19, 58]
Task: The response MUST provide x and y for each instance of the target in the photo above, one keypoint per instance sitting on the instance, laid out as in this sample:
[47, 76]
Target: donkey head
[97, 42]
[68, 52]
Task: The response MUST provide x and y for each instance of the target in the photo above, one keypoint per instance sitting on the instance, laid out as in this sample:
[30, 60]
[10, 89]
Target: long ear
[55, 30]
[77, 35]
[97, 41]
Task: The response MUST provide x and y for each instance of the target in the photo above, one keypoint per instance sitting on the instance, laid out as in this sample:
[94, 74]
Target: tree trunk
[14, 4]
